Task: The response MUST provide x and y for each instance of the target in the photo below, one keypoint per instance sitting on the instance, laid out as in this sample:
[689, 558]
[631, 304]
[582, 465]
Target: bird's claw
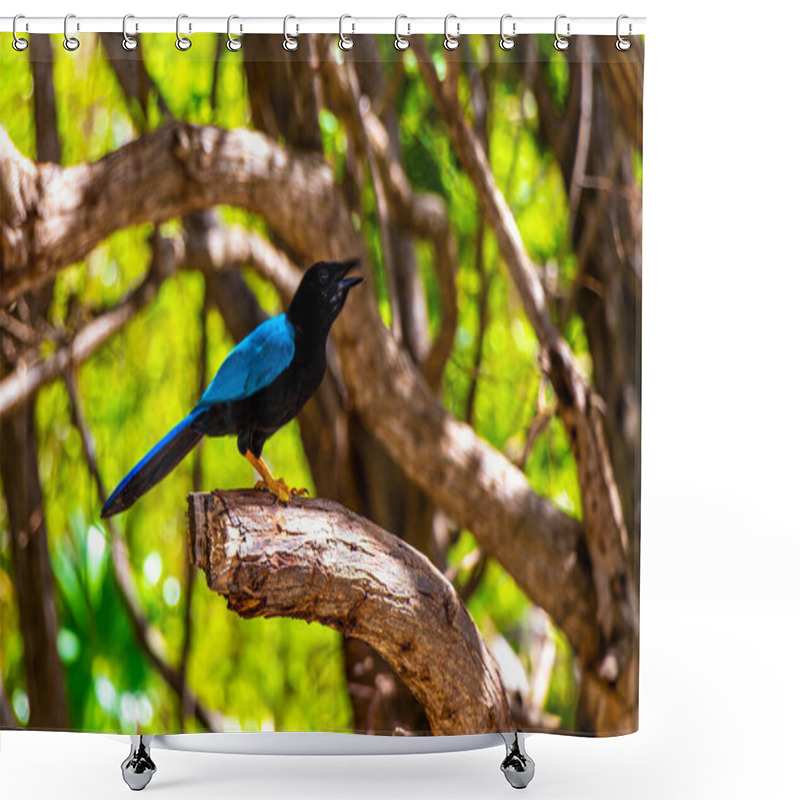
[279, 488]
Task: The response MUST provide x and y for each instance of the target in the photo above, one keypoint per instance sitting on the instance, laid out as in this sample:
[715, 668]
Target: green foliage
[278, 673]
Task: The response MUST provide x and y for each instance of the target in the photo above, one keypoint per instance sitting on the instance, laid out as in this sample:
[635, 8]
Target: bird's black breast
[255, 418]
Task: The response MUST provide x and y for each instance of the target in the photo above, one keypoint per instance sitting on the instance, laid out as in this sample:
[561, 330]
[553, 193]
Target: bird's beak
[344, 284]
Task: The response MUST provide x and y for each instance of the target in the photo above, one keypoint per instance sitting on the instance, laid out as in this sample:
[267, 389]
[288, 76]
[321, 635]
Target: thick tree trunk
[33, 576]
[19, 468]
[317, 561]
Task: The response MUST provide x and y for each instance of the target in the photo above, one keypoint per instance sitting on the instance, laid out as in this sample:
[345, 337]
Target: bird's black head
[320, 297]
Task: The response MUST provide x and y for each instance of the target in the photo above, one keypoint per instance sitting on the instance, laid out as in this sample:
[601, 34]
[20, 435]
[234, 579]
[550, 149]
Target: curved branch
[52, 216]
[317, 561]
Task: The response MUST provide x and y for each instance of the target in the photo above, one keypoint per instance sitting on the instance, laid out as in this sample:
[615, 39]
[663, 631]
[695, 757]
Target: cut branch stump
[314, 560]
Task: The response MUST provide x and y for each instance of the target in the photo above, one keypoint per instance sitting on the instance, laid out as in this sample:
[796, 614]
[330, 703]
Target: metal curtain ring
[128, 42]
[561, 42]
[71, 43]
[234, 44]
[19, 44]
[400, 42]
[289, 43]
[451, 42]
[507, 42]
[345, 42]
[623, 44]
[181, 41]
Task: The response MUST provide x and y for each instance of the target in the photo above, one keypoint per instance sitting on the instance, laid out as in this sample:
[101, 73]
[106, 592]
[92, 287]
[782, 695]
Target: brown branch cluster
[578, 406]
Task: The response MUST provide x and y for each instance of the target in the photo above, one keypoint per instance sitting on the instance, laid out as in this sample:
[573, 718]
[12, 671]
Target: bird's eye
[323, 276]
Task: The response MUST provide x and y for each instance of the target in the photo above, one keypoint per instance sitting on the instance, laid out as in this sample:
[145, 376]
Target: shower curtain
[468, 558]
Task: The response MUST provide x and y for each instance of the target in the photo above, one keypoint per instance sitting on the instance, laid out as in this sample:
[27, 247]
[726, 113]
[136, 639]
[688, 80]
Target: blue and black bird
[262, 384]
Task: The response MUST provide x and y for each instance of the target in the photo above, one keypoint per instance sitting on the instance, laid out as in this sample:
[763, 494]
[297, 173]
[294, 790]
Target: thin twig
[150, 638]
[381, 204]
[218, 52]
[584, 139]
[28, 378]
[19, 330]
[594, 218]
[480, 105]
[475, 577]
[197, 482]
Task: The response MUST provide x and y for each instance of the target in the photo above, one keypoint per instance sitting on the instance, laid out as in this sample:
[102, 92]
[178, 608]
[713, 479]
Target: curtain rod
[406, 25]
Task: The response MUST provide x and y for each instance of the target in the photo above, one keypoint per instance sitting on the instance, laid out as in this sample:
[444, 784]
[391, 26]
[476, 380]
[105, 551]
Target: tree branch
[317, 561]
[216, 250]
[52, 216]
[27, 378]
[476, 164]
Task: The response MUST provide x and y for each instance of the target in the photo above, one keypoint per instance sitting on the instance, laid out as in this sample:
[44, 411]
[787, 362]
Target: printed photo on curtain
[320, 384]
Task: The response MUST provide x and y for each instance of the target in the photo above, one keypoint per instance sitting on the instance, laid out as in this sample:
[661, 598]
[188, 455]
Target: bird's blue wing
[253, 364]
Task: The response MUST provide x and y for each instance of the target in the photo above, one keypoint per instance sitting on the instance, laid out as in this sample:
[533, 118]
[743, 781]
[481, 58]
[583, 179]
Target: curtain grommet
[451, 42]
[128, 42]
[561, 43]
[623, 44]
[507, 42]
[19, 43]
[400, 42]
[345, 42]
[290, 44]
[233, 44]
[183, 43]
[71, 43]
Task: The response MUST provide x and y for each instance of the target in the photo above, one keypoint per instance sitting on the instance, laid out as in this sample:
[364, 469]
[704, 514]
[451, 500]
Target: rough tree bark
[317, 561]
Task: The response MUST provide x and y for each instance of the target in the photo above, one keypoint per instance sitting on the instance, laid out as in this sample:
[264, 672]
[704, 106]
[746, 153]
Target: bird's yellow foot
[277, 486]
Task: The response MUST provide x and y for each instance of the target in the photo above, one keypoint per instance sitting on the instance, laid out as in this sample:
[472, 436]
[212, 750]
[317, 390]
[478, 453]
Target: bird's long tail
[158, 463]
